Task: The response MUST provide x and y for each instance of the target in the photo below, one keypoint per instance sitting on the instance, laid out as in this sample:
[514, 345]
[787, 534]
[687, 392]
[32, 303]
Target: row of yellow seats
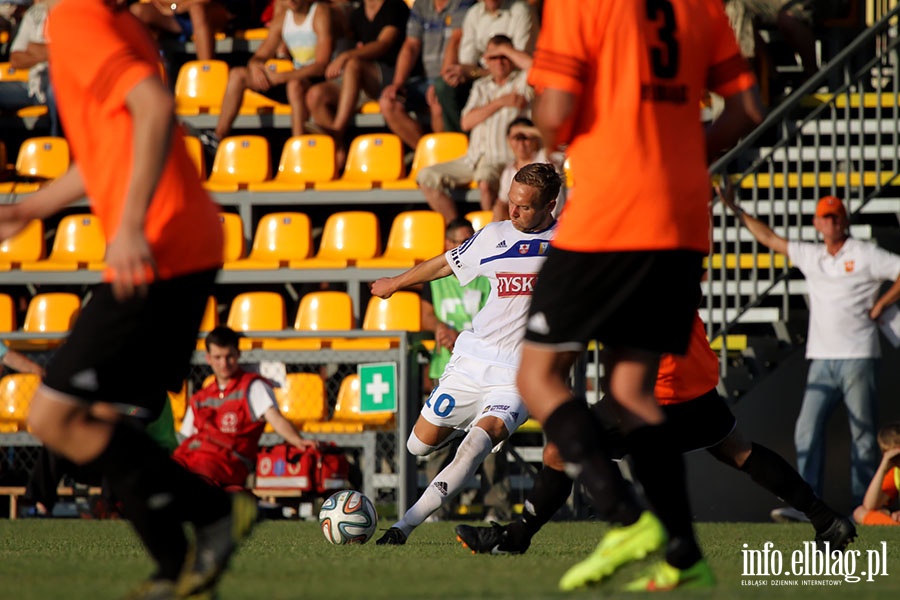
[304, 402]
[282, 239]
[55, 312]
[252, 312]
[307, 162]
[349, 238]
[200, 89]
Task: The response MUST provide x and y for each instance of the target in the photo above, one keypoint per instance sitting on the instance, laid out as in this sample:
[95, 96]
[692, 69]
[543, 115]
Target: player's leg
[771, 472]
[550, 491]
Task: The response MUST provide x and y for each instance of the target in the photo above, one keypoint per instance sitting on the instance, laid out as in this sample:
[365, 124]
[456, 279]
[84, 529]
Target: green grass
[74, 559]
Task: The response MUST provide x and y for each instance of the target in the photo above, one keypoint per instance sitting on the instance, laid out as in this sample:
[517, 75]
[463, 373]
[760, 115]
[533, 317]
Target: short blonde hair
[889, 436]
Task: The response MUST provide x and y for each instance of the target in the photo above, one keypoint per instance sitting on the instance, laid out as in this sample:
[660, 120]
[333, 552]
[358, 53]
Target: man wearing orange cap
[843, 278]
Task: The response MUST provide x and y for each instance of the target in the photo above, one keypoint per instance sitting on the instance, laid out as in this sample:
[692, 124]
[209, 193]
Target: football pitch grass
[72, 559]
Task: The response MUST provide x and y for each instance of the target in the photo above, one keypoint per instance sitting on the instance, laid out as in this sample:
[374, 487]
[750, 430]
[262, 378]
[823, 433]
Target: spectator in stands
[29, 51]
[792, 18]
[527, 147]
[197, 20]
[11, 12]
[431, 25]
[885, 485]
[495, 101]
[305, 28]
[378, 29]
[462, 60]
[224, 420]
[844, 278]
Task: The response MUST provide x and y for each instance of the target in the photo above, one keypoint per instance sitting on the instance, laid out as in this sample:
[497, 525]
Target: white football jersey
[510, 259]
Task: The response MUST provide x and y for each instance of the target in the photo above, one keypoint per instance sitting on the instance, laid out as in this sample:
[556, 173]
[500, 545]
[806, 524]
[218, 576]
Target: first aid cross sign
[377, 387]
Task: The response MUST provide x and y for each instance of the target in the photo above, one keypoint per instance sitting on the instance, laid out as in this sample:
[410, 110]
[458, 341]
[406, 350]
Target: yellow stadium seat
[233, 232]
[40, 159]
[7, 313]
[16, 391]
[210, 318]
[200, 87]
[8, 73]
[373, 159]
[415, 236]
[480, 218]
[347, 417]
[347, 237]
[319, 311]
[305, 161]
[178, 402]
[195, 151]
[400, 312]
[280, 238]
[371, 107]
[240, 161]
[79, 244]
[570, 182]
[256, 33]
[432, 148]
[53, 312]
[25, 246]
[302, 398]
[256, 311]
[279, 65]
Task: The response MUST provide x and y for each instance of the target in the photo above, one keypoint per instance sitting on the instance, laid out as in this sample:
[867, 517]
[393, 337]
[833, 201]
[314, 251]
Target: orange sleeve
[96, 55]
[560, 57]
[729, 72]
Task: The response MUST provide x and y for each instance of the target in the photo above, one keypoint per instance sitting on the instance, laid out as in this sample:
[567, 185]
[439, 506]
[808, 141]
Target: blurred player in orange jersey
[619, 82]
[698, 418]
[133, 341]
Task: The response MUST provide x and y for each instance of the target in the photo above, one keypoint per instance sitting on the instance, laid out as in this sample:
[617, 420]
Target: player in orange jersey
[698, 418]
[620, 82]
[134, 339]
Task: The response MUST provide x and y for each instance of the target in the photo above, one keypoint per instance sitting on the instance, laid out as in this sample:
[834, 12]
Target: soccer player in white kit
[477, 393]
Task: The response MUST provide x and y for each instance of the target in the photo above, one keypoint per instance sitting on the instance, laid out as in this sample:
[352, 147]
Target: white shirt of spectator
[31, 30]
[513, 20]
[510, 259]
[487, 140]
[261, 398]
[842, 289]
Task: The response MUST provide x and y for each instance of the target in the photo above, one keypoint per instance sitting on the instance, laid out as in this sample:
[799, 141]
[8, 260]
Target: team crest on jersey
[849, 266]
[524, 247]
[229, 423]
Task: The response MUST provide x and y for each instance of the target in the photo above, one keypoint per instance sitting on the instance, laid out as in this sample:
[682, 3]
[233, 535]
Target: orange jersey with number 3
[637, 150]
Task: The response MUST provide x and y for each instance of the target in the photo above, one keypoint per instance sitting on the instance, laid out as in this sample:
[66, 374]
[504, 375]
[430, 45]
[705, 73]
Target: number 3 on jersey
[665, 57]
[443, 404]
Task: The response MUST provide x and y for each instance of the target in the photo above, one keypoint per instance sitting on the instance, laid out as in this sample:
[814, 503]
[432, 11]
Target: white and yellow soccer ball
[348, 517]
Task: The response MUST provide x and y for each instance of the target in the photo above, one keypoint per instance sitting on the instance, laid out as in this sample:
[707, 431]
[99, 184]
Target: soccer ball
[348, 517]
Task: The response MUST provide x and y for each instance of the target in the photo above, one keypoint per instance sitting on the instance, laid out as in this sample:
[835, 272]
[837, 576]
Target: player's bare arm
[61, 192]
[128, 255]
[762, 232]
[431, 269]
[553, 111]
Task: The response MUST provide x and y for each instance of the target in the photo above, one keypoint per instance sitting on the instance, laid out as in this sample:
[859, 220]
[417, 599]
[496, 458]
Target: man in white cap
[843, 279]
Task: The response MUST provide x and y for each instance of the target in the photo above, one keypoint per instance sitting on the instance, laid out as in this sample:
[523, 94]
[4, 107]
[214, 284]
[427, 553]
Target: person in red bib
[225, 419]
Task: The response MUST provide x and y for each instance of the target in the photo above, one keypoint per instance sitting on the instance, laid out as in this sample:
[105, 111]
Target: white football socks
[448, 483]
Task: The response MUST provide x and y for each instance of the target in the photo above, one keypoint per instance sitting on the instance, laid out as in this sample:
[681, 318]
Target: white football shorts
[470, 390]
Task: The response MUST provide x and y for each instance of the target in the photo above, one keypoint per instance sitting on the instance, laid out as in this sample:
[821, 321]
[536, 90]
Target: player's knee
[417, 447]
[46, 418]
[552, 458]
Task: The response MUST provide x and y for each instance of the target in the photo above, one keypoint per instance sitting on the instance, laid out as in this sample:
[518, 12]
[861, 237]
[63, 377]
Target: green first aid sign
[377, 387]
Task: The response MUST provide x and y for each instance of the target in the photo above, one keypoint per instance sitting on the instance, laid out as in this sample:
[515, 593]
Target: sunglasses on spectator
[521, 137]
